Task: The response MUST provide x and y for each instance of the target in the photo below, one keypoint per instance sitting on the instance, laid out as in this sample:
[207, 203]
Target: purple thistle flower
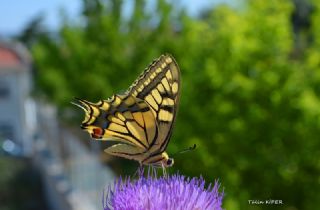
[172, 193]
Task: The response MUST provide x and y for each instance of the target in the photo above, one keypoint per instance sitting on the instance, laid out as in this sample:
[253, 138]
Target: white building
[17, 112]
[72, 173]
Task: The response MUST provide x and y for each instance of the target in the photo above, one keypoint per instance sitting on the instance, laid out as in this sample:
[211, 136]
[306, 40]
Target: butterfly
[139, 121]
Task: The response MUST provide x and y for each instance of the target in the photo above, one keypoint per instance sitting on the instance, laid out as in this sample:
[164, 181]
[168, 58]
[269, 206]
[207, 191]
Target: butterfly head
[169, 162]
[166, 161]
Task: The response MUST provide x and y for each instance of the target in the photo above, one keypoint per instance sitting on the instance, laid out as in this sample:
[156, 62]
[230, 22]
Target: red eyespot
[97, 133]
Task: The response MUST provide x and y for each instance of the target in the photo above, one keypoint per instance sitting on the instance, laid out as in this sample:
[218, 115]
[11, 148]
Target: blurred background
[250, 96]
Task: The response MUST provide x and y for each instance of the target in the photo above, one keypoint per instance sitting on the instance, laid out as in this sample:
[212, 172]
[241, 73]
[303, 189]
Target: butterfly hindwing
[122, 118]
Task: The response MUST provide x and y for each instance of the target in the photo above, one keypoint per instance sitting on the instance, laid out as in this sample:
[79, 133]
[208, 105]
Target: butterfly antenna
[185, 150]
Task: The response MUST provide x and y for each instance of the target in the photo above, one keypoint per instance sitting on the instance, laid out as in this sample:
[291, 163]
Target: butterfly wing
[126, 151]
[159, 86]
[123, 118]
[141, 120]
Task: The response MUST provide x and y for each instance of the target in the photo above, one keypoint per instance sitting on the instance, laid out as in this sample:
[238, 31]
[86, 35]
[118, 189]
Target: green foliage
[20, 185]
[250, 99]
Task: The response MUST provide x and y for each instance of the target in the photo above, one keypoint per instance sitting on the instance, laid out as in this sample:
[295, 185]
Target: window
[4, 90]
[6, 131]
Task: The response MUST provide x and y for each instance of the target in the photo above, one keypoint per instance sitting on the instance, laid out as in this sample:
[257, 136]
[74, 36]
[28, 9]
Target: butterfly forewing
[159, 86]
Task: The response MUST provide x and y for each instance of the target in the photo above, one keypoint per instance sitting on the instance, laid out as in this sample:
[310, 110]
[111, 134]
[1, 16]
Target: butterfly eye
[170, 162]
[97, 133]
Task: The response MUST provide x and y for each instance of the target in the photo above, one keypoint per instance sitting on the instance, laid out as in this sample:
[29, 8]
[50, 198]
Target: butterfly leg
[154, 171]
[164, 172]
[150, 171]
[139, 172]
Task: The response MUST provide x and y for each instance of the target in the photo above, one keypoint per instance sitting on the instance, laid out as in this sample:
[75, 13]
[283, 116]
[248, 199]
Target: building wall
[10, 103]
[73, 179]
[14, 93]
[15, 90]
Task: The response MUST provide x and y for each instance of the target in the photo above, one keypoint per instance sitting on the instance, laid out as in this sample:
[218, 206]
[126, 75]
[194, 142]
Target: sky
[15, 14]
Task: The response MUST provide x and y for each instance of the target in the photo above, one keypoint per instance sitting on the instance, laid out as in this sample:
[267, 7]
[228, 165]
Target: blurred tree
[20, 185]
[32, 32]
[301, 23]
[252, 107]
